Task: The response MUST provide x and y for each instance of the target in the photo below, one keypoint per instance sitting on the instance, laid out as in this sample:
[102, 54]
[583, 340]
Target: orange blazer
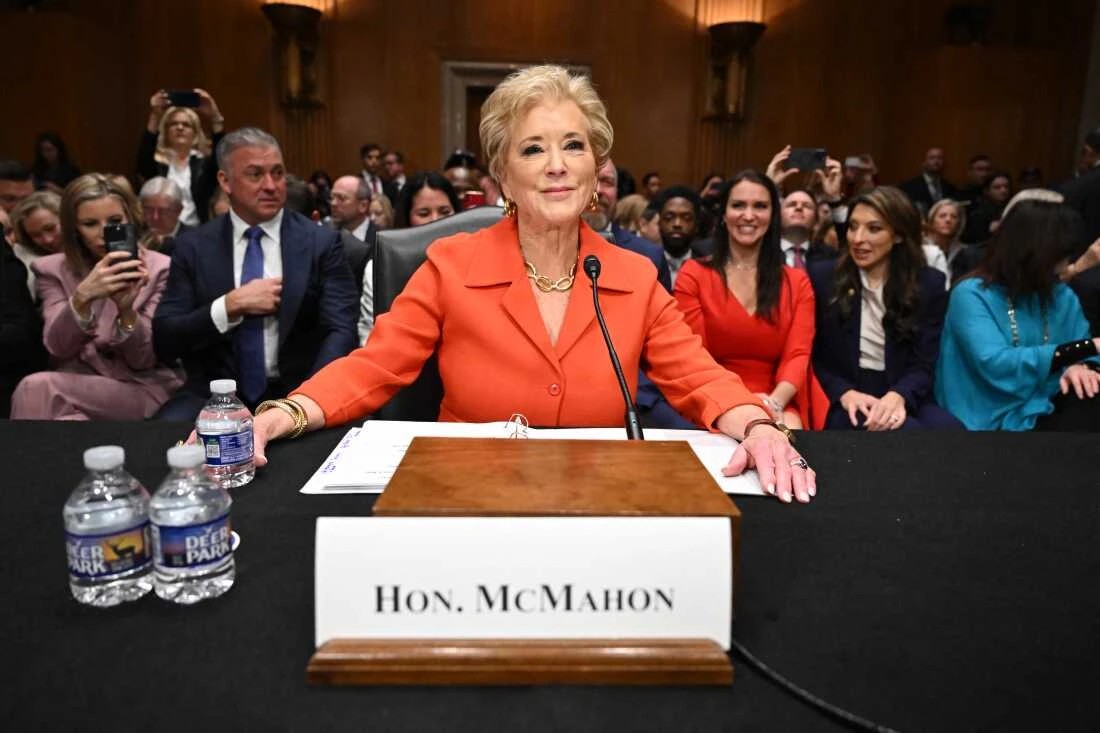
[472, 303]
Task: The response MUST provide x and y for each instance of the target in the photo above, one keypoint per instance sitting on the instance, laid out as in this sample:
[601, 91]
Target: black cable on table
[850, 719]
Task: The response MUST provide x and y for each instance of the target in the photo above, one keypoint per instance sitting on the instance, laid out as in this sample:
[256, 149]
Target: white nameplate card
[523, 578]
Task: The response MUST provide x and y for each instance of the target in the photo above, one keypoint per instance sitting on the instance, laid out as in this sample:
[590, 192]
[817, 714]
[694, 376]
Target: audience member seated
[860, 175]
[5, 228]
[36, 224]
[1083, 192]
[601, 220]
[394, 163]
[1030, 177]
[15, 184]
[162, 204]
[426, 197]
[262, 296]
[929, 186]
[351, 199]
[978, 171]
[628, 212]
[320, 185]
[987, 209]
[373, 168]
[678, 221]
[755, 314]
[798, 225]
[627, 186]
[942, 248]
[52, 167]
[879, 316]
[381, 212]
[539, 354]
[1016, 352]
[97, 309]
[300, 199]
[174, 145]
[464, 173]
[651, 185]
[21, 350]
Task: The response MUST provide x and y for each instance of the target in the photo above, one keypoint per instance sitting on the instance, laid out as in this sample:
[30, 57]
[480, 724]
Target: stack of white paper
[366, 458]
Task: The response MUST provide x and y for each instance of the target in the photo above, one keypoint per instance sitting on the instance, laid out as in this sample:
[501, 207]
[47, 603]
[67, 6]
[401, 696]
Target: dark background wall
[877, 76]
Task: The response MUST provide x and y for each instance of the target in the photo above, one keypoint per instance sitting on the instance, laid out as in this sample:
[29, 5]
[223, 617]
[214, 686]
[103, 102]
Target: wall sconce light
[727, 73]
[296, 43]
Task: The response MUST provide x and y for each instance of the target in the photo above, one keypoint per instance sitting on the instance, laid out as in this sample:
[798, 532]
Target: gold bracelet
[290, 407]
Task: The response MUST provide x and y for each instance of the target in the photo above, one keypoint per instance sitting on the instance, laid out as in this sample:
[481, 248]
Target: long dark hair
[402, 209]
[1032, 239]
[41, 168]
[906, 259]
[769, 263]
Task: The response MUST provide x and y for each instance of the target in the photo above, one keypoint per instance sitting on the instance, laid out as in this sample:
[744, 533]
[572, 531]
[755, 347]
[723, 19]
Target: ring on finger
[799, 462]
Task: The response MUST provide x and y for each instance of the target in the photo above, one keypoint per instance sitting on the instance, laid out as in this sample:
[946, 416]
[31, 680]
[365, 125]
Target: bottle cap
[186, 456]
[223, 386]
[104, 457]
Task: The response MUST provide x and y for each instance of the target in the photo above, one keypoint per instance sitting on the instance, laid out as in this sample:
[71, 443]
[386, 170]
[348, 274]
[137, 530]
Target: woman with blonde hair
[942, 246]
[36, 221]
[510, 331]
[628, 212]
[381, 211]
[97, 308]
[174, 145]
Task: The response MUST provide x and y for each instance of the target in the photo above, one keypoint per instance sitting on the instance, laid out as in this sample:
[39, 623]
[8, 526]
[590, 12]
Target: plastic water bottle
[224, 428]
[192, 545]
[107, 534]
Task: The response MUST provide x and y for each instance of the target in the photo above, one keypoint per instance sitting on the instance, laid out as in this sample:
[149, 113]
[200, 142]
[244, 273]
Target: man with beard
[607, 191]
[680, 210]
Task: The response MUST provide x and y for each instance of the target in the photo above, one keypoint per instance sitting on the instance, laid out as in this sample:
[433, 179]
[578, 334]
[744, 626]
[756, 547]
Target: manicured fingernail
[812, 490]
[785, 497]
[770, 488]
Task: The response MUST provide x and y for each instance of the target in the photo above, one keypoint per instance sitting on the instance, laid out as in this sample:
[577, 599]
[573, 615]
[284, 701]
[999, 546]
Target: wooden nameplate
[522, 478]
[523, 662]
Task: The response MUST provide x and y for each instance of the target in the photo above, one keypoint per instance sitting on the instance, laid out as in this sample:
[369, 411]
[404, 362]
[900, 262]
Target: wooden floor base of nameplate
[348, 662]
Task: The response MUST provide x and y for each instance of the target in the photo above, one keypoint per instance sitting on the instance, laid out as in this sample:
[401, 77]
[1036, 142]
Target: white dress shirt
[181, 176]
[360, 232]
[934, 257]
[675, 263]
[872, 335]
[788, 251]
[366, 304]
[273, 267]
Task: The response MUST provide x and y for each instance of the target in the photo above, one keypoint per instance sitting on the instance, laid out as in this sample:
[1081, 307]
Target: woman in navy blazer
[879, 316]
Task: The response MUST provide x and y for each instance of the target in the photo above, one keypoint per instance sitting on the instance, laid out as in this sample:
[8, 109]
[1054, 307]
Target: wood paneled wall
[851, 75]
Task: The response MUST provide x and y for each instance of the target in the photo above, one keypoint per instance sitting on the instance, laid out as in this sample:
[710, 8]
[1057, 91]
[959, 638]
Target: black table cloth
[939, 582]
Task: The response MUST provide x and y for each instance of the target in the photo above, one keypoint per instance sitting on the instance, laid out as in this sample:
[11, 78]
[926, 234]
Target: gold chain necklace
[545, 284]
[1015, 330]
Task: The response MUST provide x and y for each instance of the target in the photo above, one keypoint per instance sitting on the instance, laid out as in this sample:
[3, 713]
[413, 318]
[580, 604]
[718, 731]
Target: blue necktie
[250, 334]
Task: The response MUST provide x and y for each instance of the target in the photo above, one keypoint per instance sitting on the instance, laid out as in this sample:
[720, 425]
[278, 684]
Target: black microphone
[633, 425]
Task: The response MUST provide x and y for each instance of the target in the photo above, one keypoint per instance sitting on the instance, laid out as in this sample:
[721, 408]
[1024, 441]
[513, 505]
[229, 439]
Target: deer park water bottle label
[193, 546]
[99, 556]
[227, 449]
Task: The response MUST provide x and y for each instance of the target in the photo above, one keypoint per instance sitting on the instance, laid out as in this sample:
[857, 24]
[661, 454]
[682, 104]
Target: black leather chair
[397, 254]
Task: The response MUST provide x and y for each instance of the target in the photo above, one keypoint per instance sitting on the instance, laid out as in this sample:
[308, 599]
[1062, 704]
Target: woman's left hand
[888, 413]
[1084, 381]
[783, 472]
[208, 107]
[831, 178]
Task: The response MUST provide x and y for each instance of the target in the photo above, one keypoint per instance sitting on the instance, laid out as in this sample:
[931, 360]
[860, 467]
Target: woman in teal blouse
[1016, 352]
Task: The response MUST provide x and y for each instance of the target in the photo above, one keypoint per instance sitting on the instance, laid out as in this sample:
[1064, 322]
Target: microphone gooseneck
[631, 422]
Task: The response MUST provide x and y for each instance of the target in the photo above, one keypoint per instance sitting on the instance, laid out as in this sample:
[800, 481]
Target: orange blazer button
[554, 390]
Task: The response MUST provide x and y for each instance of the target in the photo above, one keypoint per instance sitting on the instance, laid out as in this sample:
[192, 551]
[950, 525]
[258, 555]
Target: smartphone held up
[120, 238]
[806, 159]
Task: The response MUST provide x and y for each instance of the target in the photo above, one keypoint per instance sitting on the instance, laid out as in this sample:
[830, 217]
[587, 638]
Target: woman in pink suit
[97, 310]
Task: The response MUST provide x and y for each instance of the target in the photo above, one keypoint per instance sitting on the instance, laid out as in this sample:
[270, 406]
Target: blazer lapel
[580, 315]
[222, 266]
[500, 263]
[851, 328]
[293, 244]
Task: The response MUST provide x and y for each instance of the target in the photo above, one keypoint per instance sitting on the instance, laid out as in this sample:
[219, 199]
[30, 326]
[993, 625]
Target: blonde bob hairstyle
[92, 187]
[165, 154]
[532, 86]
[960, 211]
[47, 200]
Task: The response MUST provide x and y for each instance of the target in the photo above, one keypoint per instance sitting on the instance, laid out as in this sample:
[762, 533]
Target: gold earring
[509, 207]
[595, 204]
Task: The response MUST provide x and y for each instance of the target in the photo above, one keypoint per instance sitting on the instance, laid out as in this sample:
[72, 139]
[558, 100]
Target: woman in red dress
[754, 313]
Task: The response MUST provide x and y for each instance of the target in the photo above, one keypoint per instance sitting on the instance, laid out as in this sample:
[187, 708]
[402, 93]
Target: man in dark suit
[607, 192]
[930, 186]
[351, 199]
[373, 169]
[1083, 193]
[679, 215]
[300, 198]
[162, 204]
[261, 295]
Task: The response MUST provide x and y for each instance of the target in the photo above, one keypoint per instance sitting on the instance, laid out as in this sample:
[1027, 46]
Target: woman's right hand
[114, 273]
[158, 103]
[855, 402]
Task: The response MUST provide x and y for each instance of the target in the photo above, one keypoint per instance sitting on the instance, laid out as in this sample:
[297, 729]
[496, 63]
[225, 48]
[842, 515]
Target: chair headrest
[471, 220]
